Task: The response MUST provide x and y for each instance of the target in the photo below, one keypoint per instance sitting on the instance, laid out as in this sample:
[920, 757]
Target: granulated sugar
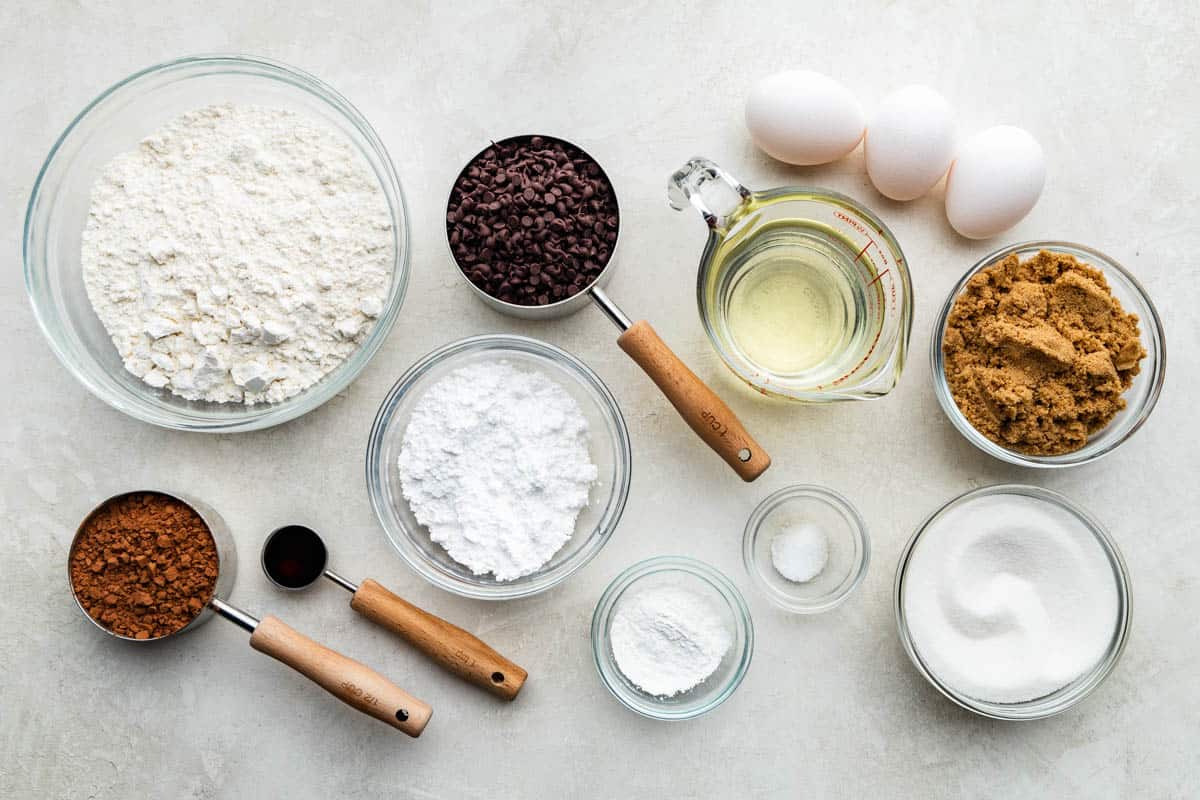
[1008, 598]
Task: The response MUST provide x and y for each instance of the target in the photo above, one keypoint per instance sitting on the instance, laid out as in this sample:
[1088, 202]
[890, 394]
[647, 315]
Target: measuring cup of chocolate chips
[150, 565]
[532, 223]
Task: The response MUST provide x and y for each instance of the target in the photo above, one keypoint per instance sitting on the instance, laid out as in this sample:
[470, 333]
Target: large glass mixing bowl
[115, 122]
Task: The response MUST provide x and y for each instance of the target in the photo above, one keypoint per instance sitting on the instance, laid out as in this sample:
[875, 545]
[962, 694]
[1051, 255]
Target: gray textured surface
[830, 707]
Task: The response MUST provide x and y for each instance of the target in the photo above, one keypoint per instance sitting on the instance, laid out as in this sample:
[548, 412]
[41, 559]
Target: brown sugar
[144, 565]
[1038, 353]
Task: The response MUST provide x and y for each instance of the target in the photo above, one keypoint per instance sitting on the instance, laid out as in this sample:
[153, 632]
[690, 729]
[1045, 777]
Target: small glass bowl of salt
[806, 548]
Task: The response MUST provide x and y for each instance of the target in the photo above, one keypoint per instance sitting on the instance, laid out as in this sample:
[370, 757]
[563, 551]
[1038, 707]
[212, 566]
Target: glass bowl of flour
[217, 243]
[498, 465]
[672, 638]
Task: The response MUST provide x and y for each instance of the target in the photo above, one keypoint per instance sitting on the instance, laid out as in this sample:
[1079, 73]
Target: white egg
[803, 117]
[995, 180]
[910, 142]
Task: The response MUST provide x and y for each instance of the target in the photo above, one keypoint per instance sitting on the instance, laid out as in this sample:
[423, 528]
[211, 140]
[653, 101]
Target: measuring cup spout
[712, 191]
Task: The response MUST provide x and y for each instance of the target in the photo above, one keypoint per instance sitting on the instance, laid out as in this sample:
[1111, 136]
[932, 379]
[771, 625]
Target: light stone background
[831, 707]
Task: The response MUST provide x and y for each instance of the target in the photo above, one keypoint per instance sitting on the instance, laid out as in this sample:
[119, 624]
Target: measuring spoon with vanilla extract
[294, 557]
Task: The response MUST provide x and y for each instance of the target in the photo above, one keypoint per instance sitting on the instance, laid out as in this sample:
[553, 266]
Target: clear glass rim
[399, 535]
[1152, 328]
[899, 355]
[1066, 697]
[263, 415]
[653, 566]
[857, 525]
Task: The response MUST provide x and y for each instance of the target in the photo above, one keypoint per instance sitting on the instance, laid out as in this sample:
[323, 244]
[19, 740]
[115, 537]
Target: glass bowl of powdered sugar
[217, 243]
[672, 638]
[498, 465]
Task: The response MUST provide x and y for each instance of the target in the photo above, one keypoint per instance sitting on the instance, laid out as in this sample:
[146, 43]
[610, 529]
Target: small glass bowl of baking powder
[1140, 397]
[820, 514]
[608, 447]
[115, 122]
[702, 581]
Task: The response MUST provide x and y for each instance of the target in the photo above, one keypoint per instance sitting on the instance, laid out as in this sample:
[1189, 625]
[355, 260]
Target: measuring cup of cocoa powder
[532, 223]
[149, 565]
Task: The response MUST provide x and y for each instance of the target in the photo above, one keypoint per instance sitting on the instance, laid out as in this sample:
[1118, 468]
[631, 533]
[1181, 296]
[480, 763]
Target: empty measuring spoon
[294, 557]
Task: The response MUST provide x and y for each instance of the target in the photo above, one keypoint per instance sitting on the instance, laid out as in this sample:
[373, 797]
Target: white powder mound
[494, 463]
[800, 552]
[238, 255]
[667, 639]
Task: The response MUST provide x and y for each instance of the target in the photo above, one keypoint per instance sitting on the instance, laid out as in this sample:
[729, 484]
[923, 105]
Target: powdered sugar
[494, 463]
[238, 255]
[668, 639]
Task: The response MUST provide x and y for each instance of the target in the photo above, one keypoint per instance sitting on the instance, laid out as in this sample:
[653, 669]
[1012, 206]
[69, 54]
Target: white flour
[667, 639]
[494, 463]
[238, 255]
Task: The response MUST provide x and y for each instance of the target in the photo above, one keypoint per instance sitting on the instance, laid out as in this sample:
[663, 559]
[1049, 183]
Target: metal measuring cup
[701, 408]
[353, 683]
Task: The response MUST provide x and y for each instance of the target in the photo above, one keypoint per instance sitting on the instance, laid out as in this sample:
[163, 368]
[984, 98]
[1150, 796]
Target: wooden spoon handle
[449, 645]
[699, 405]
[353, 683]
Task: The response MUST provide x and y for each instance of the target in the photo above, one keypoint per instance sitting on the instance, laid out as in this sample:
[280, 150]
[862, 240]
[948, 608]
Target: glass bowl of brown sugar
[1015, 389]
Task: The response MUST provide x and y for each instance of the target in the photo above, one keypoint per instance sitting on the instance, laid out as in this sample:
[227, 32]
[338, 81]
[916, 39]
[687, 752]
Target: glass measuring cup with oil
[804, 293]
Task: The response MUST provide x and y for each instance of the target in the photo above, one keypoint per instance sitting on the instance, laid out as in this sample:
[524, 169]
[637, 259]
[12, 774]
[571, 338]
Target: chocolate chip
[532, 220]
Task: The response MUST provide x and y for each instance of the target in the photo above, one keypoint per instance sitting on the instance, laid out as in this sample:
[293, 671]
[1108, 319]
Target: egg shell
[910, 142]
[803, 117]
[994, 182]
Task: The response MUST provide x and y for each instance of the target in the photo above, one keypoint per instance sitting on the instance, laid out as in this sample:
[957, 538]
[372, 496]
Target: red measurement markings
[877, 277]
[865, 246]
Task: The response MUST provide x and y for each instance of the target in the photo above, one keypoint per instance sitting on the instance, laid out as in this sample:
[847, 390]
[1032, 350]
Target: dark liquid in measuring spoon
[294, 556]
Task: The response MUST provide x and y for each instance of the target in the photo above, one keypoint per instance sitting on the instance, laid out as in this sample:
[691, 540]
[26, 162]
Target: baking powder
[668, 639]
[238, 255]
[494, 463]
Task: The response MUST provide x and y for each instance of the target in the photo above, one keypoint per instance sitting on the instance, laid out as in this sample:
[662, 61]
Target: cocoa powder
[144, 565]
[1039, 352]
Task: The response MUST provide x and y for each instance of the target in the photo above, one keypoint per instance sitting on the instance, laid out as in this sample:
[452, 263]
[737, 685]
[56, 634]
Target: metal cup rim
[565, 306]
[224, 545]
[262, 557]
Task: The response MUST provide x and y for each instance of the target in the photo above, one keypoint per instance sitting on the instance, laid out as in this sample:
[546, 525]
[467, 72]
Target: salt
[800, 552]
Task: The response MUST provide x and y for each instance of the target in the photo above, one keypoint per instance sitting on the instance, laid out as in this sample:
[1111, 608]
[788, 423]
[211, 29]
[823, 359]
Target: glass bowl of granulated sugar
[217, 243]
[498, 465]
[672, 638]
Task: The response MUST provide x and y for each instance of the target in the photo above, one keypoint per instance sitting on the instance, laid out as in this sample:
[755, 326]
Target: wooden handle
[353, 683]
[449, 645]
[699, 405]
